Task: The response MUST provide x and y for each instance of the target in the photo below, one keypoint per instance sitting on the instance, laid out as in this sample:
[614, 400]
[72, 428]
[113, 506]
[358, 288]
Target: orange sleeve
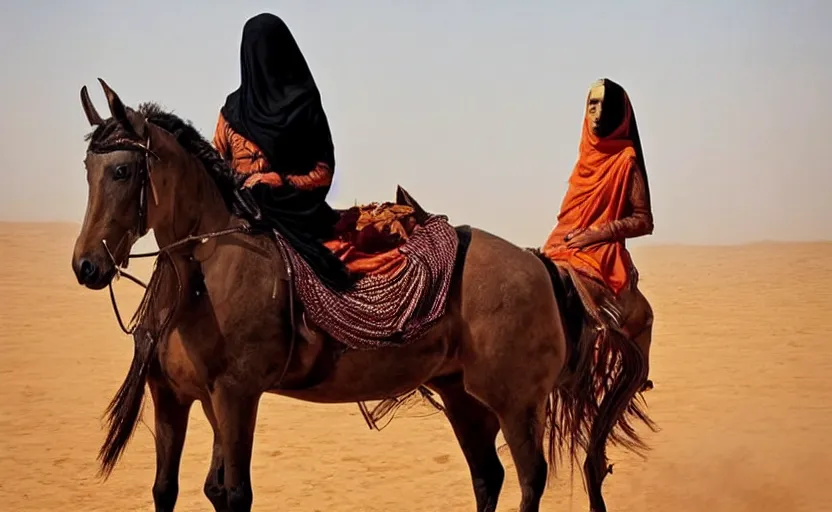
[221, 137]
[640, 220]
[321, 176]
[640, 201]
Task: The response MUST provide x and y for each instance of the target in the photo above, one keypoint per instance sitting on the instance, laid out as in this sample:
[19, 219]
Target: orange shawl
[598, 194]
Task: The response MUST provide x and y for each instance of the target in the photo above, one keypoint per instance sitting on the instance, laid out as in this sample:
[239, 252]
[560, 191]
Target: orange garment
[386, 263]
[598, 195]
[246, 158]
[369, 238]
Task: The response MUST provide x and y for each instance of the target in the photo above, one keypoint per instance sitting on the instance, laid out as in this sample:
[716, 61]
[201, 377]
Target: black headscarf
[278, 108]
[611, 116]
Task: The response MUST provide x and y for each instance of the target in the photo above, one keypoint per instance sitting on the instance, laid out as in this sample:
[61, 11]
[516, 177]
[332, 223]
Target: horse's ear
[89, 109]
[117, 108]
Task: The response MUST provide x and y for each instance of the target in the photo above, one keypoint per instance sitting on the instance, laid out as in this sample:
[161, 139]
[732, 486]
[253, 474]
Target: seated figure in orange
[608, 201]
[274, 133]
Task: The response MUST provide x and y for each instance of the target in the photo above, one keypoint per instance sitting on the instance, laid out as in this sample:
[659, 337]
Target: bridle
[130, 144]
[141, 228]
[145, 183]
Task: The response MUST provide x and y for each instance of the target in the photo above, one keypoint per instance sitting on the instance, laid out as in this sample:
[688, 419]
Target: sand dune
[742, 364]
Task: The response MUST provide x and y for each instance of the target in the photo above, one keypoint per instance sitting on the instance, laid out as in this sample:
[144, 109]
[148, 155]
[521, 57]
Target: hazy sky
[475, 107]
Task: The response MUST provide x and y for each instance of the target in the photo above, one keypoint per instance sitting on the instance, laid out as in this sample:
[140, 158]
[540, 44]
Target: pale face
[594, 107]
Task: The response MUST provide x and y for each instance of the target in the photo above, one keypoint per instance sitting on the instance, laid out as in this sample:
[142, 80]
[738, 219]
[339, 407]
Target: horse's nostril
[88, 271]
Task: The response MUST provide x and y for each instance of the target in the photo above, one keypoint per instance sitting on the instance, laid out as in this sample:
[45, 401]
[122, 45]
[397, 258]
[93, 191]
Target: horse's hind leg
[214, 487]
[595, 464]
[523, 429]
[171, 425]
[475, 427]
[613, 407]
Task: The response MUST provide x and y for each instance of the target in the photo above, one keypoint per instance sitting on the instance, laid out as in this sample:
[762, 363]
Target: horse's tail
[124, 411]
[599, 399]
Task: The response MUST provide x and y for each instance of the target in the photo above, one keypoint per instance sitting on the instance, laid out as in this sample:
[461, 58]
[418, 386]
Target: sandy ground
[742, 364]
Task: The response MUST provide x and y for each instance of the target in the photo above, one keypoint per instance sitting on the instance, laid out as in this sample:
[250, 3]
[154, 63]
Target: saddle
[405, 259]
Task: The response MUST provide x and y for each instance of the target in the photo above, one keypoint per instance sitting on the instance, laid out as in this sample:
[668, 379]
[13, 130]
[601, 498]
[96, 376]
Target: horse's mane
[186, 135]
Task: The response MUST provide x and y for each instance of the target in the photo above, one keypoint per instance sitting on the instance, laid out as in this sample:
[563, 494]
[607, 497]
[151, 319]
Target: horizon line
[641, 242]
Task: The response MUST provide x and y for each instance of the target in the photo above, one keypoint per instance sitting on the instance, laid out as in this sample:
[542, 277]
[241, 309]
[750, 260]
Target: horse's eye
[121, 173]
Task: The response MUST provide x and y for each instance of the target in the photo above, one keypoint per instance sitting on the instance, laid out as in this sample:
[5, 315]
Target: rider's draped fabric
[274, 131]
[369, 238]
[608, 193]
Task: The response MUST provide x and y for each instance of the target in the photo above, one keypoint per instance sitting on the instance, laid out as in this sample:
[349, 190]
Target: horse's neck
[195, 208]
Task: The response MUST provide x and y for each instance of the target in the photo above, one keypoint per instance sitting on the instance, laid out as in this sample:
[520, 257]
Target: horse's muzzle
[92, 274]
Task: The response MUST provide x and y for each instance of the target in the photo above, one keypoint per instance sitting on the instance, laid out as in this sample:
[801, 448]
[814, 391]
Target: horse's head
[122, 200]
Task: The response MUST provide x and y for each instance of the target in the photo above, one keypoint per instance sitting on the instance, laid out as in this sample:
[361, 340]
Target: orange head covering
[599, 188]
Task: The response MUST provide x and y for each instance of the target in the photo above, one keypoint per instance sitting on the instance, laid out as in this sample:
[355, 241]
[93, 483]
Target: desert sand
[741, 361]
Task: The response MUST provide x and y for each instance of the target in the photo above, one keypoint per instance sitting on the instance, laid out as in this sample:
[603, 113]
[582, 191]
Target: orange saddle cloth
[368, 238]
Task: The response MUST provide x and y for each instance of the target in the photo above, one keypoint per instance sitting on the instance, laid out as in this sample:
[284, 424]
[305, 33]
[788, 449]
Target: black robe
[278, 108]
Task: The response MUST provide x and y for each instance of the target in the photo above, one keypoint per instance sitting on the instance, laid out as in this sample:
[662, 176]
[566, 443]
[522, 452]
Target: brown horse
[218, 326]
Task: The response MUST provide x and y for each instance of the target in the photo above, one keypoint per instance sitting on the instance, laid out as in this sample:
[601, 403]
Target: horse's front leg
[171, 425]
[235, 411]
[214, 487]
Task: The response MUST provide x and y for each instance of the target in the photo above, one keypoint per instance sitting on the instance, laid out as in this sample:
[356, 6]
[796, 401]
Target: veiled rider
[275, 134]
[608, 201]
